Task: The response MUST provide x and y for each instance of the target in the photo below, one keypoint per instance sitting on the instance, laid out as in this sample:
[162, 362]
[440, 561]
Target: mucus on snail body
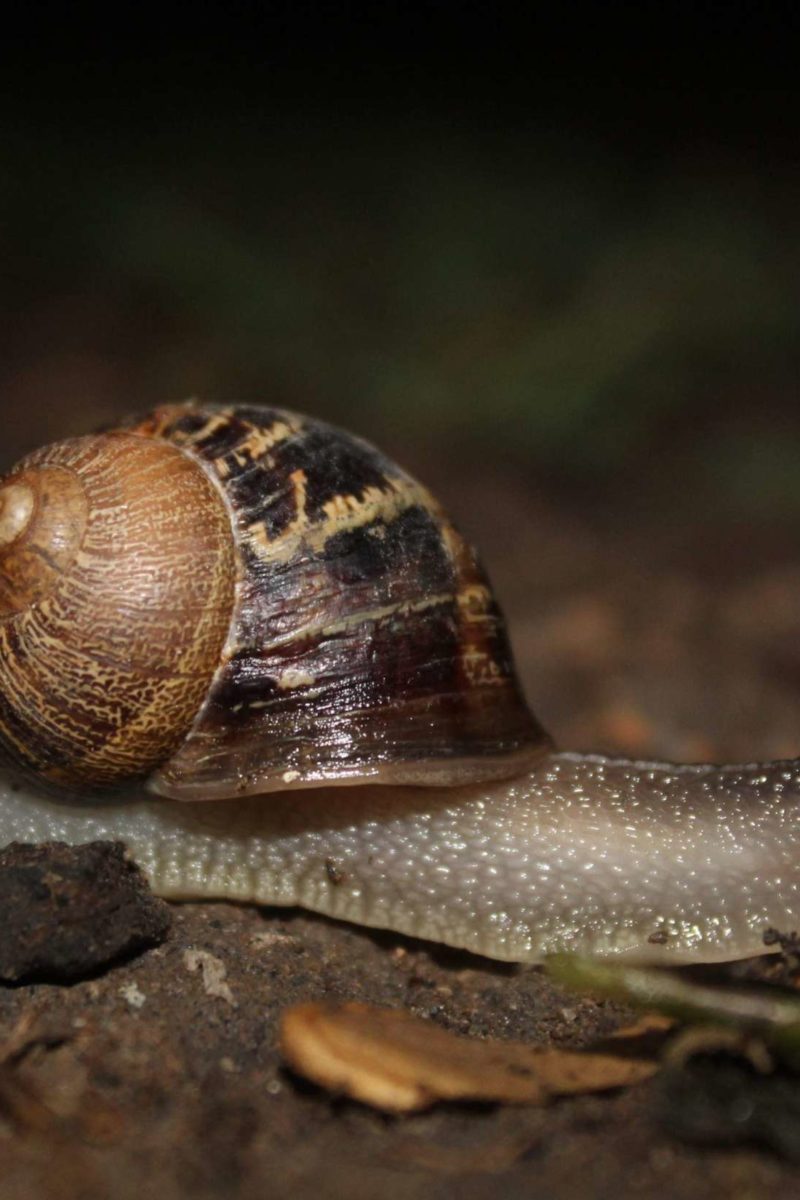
[248, 608]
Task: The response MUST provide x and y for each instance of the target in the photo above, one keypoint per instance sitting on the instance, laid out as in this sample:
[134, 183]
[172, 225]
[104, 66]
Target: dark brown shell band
[366, 643]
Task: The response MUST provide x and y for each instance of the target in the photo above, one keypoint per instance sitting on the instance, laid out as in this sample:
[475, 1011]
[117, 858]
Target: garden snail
[254, 610]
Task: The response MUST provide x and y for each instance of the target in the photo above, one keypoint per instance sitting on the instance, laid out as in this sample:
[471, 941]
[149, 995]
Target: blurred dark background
[546, 255]
[561, 239]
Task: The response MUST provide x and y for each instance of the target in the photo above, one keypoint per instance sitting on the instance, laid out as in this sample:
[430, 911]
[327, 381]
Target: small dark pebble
[335, 874]
[659, 937]
[789, 943]
[719, 1100]
[67, 911]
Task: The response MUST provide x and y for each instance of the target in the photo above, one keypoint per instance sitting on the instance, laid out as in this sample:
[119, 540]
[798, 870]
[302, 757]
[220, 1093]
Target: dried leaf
[400, 1063]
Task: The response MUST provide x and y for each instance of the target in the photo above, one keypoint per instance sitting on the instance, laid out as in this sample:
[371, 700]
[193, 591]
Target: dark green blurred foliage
[525, 292]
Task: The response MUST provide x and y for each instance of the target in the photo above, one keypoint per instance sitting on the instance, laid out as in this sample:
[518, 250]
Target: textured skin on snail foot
[582, 853]
[366, 642]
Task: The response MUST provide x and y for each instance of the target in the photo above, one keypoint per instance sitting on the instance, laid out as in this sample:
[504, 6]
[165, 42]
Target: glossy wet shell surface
[366, 643]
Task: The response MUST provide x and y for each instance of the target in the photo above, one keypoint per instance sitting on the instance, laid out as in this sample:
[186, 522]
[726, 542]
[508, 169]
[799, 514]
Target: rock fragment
[68, 911]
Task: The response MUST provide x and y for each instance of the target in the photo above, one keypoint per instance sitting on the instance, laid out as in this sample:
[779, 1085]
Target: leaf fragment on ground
[213, 973]
[400, 1063]
[768, 1012]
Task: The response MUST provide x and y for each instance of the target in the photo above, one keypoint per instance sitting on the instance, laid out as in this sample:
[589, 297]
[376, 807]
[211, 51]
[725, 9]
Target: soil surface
[636, 630]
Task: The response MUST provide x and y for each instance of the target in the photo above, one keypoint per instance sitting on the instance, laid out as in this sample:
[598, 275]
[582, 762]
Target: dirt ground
[636, 629]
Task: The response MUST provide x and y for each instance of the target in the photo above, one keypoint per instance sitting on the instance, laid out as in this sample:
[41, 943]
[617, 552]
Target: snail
[253, 649]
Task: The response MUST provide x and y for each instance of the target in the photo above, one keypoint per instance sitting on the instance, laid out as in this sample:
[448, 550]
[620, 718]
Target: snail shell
[229, 601]
[236, 600]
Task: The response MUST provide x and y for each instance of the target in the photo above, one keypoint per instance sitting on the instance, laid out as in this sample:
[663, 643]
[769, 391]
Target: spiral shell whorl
[117, 573]
[17, 502]
[43, 517]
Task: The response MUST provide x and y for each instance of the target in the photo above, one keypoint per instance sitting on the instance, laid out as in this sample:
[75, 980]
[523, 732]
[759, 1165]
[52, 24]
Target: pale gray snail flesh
[582, 853]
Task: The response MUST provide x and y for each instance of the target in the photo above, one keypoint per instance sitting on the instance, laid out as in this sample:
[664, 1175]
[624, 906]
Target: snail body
[243, 607]
[580, 852]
